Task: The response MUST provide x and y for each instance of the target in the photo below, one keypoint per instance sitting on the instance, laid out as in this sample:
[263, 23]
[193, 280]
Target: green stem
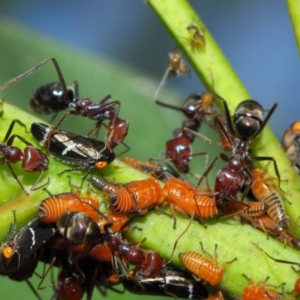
[294, 11]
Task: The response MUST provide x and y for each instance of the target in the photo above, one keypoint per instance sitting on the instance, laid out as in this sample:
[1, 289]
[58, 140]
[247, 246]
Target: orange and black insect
[264, 190]
[205, 269]
[270, 227]
[173, 282]
[245, 210]
[20, 247]
[130, 197]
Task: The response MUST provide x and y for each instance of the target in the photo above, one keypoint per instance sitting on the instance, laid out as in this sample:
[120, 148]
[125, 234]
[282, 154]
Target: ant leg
[201, 136]
[16, 177]
[269, 158]
[32, 70]
[34, 188]
[207, 171]
[11, 126]
[265, 121]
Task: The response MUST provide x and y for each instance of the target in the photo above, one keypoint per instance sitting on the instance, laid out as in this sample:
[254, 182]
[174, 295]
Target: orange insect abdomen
[101, 253]
[136, 195]
[252, 292]
[259, 292]
[117, 220]
[203, 268]
[265, 191]
[175, 189]
[189, 199]
[205, 206]
[51, 208]
[297, 287]
[260, 187]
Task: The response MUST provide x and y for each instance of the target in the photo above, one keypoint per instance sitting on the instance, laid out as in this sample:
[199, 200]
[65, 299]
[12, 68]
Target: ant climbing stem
[176, 67]
[248, 124]
[197, 41]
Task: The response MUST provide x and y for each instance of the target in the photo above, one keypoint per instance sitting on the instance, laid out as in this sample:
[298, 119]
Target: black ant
[57, 96]
[33, 159]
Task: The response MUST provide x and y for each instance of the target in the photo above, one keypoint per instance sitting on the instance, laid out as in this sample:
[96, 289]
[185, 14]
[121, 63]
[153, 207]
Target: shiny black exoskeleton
[49, 98]
[20, 248]
[78, 228]
[71, 148]
[175, 283]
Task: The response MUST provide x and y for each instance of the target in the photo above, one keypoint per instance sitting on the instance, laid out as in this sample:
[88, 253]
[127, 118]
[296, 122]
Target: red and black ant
[179, 147]
[249, 123]
[33, 159]
[195, 107]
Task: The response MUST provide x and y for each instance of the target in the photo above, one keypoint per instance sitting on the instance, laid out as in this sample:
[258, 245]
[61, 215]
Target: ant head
[190, 105]
[248, 118]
